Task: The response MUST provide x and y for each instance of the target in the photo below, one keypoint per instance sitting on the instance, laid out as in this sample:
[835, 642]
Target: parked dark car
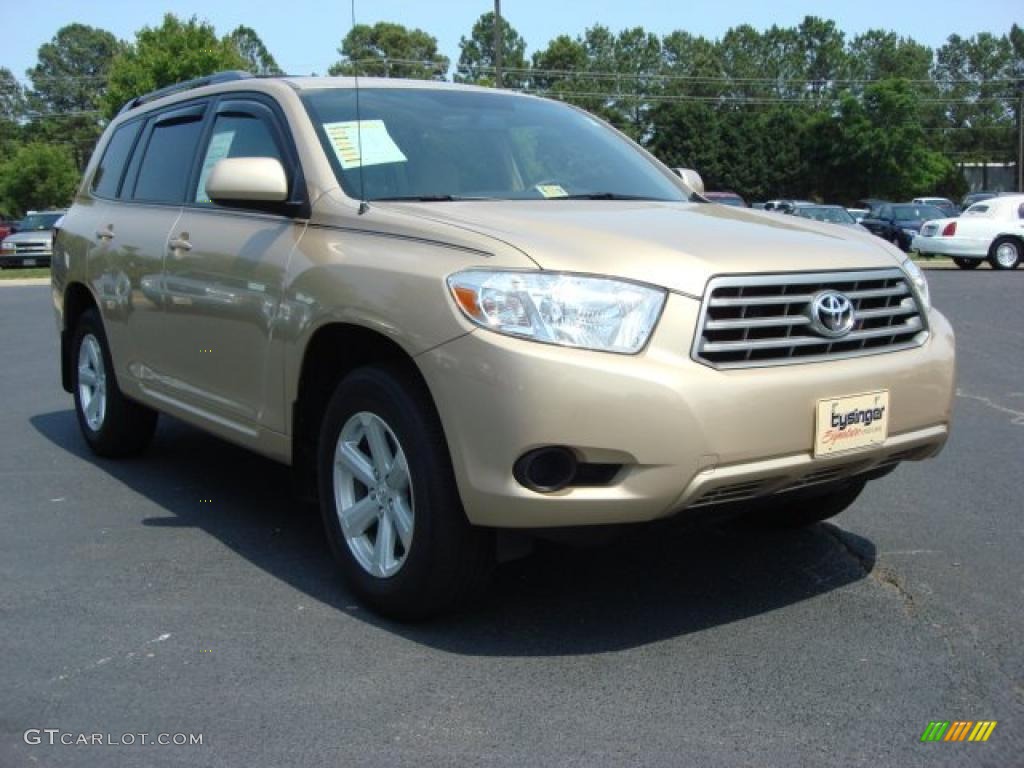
[976, 197]
[726, 198]
[944, 204]
[873, 204]
[900, 223]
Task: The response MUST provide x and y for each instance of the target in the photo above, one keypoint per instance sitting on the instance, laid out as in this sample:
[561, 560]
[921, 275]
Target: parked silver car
[32, 244]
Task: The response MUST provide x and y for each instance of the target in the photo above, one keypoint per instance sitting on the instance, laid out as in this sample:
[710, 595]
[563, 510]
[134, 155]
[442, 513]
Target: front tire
[966, 263]
[113, 425]
[1005, 253]
[803, 511]
[390, 505]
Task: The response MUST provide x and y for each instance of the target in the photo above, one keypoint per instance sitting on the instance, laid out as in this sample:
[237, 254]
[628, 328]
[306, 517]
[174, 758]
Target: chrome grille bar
[763, 320]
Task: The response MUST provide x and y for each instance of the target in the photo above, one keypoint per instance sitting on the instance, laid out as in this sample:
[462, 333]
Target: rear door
[135, 205]
[224, 275]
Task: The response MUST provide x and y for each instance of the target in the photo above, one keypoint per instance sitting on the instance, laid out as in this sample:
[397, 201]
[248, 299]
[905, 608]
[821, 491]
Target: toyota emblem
[831, 314]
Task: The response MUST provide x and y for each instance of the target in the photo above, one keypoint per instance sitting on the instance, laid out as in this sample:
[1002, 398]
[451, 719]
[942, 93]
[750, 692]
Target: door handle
[105, 234]
[179, 244]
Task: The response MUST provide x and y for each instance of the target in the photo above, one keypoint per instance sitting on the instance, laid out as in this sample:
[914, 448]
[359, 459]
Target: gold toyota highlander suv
[456, 310]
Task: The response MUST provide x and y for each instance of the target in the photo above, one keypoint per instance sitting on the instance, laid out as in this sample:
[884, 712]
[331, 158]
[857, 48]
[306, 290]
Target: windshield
[822, 213]
[915, 212]
[436, 144]
[38, 222]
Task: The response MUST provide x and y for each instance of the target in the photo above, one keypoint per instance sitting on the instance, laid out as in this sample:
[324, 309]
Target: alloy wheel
[92, 382]
[373, 494]
[1006, 255]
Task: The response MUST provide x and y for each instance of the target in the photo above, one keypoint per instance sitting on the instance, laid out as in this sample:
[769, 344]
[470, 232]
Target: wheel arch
[77, 300]
[334, 350]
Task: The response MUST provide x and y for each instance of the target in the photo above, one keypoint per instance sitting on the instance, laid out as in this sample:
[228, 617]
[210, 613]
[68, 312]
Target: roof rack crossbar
[217, 77]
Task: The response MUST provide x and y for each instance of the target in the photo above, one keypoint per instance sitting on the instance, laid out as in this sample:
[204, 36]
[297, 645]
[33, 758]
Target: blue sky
[304, 36]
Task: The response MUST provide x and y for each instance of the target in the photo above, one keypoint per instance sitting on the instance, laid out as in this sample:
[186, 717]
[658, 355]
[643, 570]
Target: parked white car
[992, 230]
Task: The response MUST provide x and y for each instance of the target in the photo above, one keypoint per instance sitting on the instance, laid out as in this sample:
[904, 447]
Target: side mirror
[692, 179]
[247, 179]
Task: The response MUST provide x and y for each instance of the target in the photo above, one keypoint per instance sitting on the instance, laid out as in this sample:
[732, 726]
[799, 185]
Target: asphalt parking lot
[130, 605]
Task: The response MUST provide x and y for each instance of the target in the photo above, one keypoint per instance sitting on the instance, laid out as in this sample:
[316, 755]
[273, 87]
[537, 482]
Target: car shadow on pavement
[650, 583]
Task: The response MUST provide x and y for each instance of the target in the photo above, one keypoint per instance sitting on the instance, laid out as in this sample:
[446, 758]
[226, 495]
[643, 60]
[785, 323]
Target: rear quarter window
[107, 179]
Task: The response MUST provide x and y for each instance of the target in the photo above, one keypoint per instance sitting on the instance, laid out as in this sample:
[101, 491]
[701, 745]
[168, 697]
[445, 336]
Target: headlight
[7, 247]
[571, 310]
[920, 283]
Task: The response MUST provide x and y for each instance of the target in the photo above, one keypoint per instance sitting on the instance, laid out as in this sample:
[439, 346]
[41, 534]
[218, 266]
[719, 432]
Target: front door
[224, 274]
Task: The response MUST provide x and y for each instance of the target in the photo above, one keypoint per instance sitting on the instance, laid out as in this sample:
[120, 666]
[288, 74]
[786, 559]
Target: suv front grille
[760, 320]
[30, 247]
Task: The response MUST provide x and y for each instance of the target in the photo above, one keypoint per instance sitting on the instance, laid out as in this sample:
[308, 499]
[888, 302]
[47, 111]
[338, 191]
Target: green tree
[975, 74]
[822, 48]
[68, 82]
[12, 97]
[477, 60]
[37, 176]
[879, 54]
[559, 66]
[390, 50]
[250, 47]
[874, 145]
[12, 108]
[177, 50]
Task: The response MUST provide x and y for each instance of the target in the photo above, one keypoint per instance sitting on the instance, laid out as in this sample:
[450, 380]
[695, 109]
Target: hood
[675, 245]
[43, 236]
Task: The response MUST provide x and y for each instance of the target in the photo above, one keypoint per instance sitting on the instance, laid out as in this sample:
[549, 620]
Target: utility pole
[1020, 136]
[497, 43]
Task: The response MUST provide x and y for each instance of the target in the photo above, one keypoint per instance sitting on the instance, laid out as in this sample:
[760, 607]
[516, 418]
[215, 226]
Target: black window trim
[127, 161]
[261, 106]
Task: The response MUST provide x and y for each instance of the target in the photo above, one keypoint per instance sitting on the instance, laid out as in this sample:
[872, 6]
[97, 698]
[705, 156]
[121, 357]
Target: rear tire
[1005, 253]
[966, 263]
[808, 510]
[405, 548]
[113, 425]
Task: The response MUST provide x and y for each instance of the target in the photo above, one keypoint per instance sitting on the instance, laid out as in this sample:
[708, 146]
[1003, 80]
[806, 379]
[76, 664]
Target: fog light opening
[546, 470]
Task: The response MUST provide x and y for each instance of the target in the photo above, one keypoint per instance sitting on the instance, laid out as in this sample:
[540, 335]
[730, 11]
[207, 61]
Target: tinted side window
[237, 135]
[167, 163]
[108, 175]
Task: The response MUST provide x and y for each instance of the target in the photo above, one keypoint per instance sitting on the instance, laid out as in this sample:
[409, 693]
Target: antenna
[363, 205]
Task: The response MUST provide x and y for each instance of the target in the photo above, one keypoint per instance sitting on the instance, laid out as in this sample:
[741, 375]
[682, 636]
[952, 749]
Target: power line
[723, 98]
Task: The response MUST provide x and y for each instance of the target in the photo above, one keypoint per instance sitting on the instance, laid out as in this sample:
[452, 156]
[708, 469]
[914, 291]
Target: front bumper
[686, 434]
[14, 259]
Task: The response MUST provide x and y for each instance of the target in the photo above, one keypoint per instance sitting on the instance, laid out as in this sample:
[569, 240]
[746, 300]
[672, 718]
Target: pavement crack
[1018, 416]
[869, 565]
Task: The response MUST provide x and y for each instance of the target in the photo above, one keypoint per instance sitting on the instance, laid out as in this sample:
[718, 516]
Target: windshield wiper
[424, 199]
[605, 196]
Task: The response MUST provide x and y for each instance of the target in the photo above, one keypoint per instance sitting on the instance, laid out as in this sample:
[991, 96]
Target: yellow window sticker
[551, 190]
[363, 142]
[220, 146]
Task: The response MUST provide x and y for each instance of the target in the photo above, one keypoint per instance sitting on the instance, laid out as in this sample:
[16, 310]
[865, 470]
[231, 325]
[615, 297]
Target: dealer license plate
[851, 423]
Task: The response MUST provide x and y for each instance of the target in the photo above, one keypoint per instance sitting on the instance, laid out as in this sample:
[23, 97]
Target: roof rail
[226, 76]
